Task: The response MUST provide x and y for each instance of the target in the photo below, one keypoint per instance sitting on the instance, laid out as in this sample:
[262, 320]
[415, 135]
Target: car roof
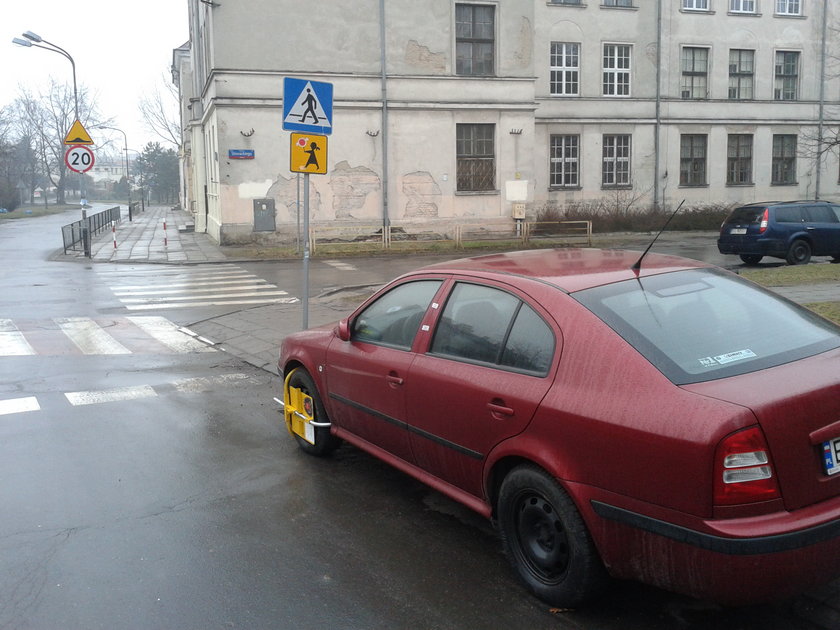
[569, 269]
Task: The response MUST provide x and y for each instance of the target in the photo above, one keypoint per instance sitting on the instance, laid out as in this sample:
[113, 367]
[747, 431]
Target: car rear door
[487, 368]
[823, 226]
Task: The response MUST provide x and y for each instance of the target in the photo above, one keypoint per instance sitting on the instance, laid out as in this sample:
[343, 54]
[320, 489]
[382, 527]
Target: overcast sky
[122, 51]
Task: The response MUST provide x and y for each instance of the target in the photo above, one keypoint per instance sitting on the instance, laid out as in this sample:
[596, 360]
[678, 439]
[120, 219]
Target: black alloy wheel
[799, 253]
[751, 259]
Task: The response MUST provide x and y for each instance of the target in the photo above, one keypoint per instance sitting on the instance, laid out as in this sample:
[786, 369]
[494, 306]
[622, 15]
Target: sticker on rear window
[729, 357]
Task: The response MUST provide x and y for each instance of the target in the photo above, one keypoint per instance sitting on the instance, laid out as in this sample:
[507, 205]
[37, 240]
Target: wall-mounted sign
[240, 154]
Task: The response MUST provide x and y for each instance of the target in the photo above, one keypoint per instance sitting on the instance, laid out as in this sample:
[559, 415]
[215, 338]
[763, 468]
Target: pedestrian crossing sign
[308, 154]
[307, 106]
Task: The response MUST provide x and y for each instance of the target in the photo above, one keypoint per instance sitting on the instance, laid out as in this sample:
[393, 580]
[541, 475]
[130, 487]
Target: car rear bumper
[730, 561]
[763, 247]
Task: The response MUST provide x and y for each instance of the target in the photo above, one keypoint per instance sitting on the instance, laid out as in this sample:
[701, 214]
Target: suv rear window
[704, 324]
[746, 214]
[821, 214]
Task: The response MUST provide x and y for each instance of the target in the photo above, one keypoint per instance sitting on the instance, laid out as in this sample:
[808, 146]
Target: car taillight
[764, 218]
[743, 472]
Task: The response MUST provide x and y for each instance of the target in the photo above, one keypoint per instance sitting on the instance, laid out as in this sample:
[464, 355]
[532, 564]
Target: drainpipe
[386, 221]
[822, 101]
[658, 125]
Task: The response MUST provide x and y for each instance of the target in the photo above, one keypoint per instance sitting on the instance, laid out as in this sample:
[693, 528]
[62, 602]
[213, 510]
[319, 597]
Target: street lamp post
[33, 39]
[127, 172]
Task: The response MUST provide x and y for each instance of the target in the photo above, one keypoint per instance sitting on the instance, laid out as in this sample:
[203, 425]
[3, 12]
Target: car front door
[365, 375]
[487, 367]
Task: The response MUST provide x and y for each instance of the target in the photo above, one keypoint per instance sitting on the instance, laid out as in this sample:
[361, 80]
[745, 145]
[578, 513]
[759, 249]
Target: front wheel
[799, 253]
[325, 442]
[546, 539]
[751, 259]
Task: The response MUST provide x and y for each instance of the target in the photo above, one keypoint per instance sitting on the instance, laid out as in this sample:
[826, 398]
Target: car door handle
[393, 379]
[499, 409]
[810, 227]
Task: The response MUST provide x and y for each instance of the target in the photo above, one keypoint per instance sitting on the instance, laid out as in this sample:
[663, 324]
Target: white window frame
[695, 5]
[788, 7]
[616, 154]
[616, 79]
[742, 6]
[564, 160]
[568, 83]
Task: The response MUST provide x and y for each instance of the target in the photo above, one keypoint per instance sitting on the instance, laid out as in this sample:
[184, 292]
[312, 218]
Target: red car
[672, 423]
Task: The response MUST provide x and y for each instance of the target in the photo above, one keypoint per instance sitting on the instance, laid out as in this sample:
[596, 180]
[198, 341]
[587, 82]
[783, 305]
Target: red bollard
[165, 243]
[114, 231]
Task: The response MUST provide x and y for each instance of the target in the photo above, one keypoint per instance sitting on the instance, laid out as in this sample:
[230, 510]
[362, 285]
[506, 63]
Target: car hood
[798, 407]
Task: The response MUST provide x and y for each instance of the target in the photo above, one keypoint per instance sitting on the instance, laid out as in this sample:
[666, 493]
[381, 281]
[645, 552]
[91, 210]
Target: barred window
[565, 69]
[475, 33]
[786, 86]
[784, 159]
[739, 159]
[616, 77]
[693, 159]
[616, 160]
[741, 74]
[476, 157]
[565, 161]
[695, 72]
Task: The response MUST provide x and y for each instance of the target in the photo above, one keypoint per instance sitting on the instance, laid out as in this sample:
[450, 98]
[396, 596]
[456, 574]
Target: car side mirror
[343, 329]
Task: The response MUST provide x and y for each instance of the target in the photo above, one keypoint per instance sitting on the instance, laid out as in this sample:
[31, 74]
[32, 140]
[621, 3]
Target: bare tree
[160, 113]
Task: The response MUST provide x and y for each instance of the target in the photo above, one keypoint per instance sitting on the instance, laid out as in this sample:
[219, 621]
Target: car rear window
[704, 324]
[746, 214]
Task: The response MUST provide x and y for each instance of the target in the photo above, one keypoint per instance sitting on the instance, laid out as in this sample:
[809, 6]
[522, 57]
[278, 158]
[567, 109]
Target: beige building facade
[448, 112]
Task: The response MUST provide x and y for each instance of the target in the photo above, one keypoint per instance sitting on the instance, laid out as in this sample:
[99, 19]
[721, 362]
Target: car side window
[836, 210]
[487, 325]
[792, 214]
[821, 214]
[394, 318]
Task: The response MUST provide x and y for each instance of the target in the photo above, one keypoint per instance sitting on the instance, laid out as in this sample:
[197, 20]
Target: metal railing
[80, 232]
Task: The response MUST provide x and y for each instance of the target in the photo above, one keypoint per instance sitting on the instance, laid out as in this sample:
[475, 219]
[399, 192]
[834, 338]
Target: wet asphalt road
[188, 506]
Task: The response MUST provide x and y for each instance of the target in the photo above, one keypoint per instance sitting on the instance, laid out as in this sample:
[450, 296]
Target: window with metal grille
[564, 165]
[616, 64]
[476, 157]
[565, 69]
[789, 7]
[739, 159]
[741, 74]
[784, 159]
[475, 34]
[785, 87]
[695, 72]
[693, 159]
[616, 160]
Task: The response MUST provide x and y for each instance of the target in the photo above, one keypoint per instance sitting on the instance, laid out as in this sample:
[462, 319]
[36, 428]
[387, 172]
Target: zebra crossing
[194, 286]
[97, 336]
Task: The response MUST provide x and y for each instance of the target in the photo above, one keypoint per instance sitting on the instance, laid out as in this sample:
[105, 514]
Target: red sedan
[671, 423]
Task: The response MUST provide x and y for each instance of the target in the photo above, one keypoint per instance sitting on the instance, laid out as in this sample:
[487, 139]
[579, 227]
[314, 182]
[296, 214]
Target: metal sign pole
[305, 251]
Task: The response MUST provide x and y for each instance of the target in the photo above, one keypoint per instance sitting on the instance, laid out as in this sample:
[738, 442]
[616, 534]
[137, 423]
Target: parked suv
[793, 230]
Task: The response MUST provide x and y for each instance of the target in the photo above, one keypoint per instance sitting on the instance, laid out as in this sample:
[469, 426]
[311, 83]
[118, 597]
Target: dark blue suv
[792, 230]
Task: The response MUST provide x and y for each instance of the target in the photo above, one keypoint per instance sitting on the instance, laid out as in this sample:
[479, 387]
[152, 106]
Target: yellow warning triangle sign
[77, 135]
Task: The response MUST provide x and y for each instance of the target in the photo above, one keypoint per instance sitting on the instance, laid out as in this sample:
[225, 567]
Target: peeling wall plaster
[285, 192]
[423, 195]
[420, 56]
[350, 188]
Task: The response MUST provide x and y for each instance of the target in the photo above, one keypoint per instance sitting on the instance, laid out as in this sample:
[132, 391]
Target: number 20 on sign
[79, 158]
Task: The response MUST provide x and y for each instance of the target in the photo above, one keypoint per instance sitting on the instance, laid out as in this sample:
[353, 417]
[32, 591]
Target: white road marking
[149, 307]
[12, 341]
[110, 395]
[204, 384]
[343, 266]
[89, 336]
[169, 334]
[18, 405]
[255, 286]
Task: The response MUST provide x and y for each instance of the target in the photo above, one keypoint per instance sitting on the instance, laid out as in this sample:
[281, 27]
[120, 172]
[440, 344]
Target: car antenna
[638, 264]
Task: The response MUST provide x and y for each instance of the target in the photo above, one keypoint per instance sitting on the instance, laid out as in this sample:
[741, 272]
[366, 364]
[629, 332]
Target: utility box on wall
[264, 215]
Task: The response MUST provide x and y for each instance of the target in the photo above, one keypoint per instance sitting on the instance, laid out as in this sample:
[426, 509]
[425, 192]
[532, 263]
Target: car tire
[799, 253]
[325, 442]
[546, 540]
[835, 258]
[751, 259]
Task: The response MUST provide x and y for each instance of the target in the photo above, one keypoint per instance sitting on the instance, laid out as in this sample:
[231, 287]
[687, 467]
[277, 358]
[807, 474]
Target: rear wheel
[799, 253]
[325, 442]
[546, 539]
[751, 259]
[835, 258]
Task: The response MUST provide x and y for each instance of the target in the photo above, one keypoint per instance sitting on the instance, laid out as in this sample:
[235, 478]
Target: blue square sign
[307, 106]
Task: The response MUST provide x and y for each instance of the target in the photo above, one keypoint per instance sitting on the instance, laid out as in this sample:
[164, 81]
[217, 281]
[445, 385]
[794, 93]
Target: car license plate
[738, 231]
[831, 456]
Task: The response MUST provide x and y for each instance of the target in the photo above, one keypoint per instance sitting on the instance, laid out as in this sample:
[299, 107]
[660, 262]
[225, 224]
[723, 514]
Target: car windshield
[704, 324]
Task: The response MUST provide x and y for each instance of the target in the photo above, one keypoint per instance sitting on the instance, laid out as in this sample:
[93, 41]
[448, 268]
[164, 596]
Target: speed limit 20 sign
[79, 158]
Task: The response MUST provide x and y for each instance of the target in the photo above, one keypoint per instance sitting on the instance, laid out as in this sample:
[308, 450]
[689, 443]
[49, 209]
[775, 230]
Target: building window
[695, 5]
[741, 74]
[565, 69]
[739, 159]
[565, 161]
[693, 160]
[695, 73]
[618, 3]
[784, 159]
[789, 7]
[476, 157]
[616, 70]
[565, 2]
[616, 161]
[742, 6]
[474, 40]
[786, 84]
